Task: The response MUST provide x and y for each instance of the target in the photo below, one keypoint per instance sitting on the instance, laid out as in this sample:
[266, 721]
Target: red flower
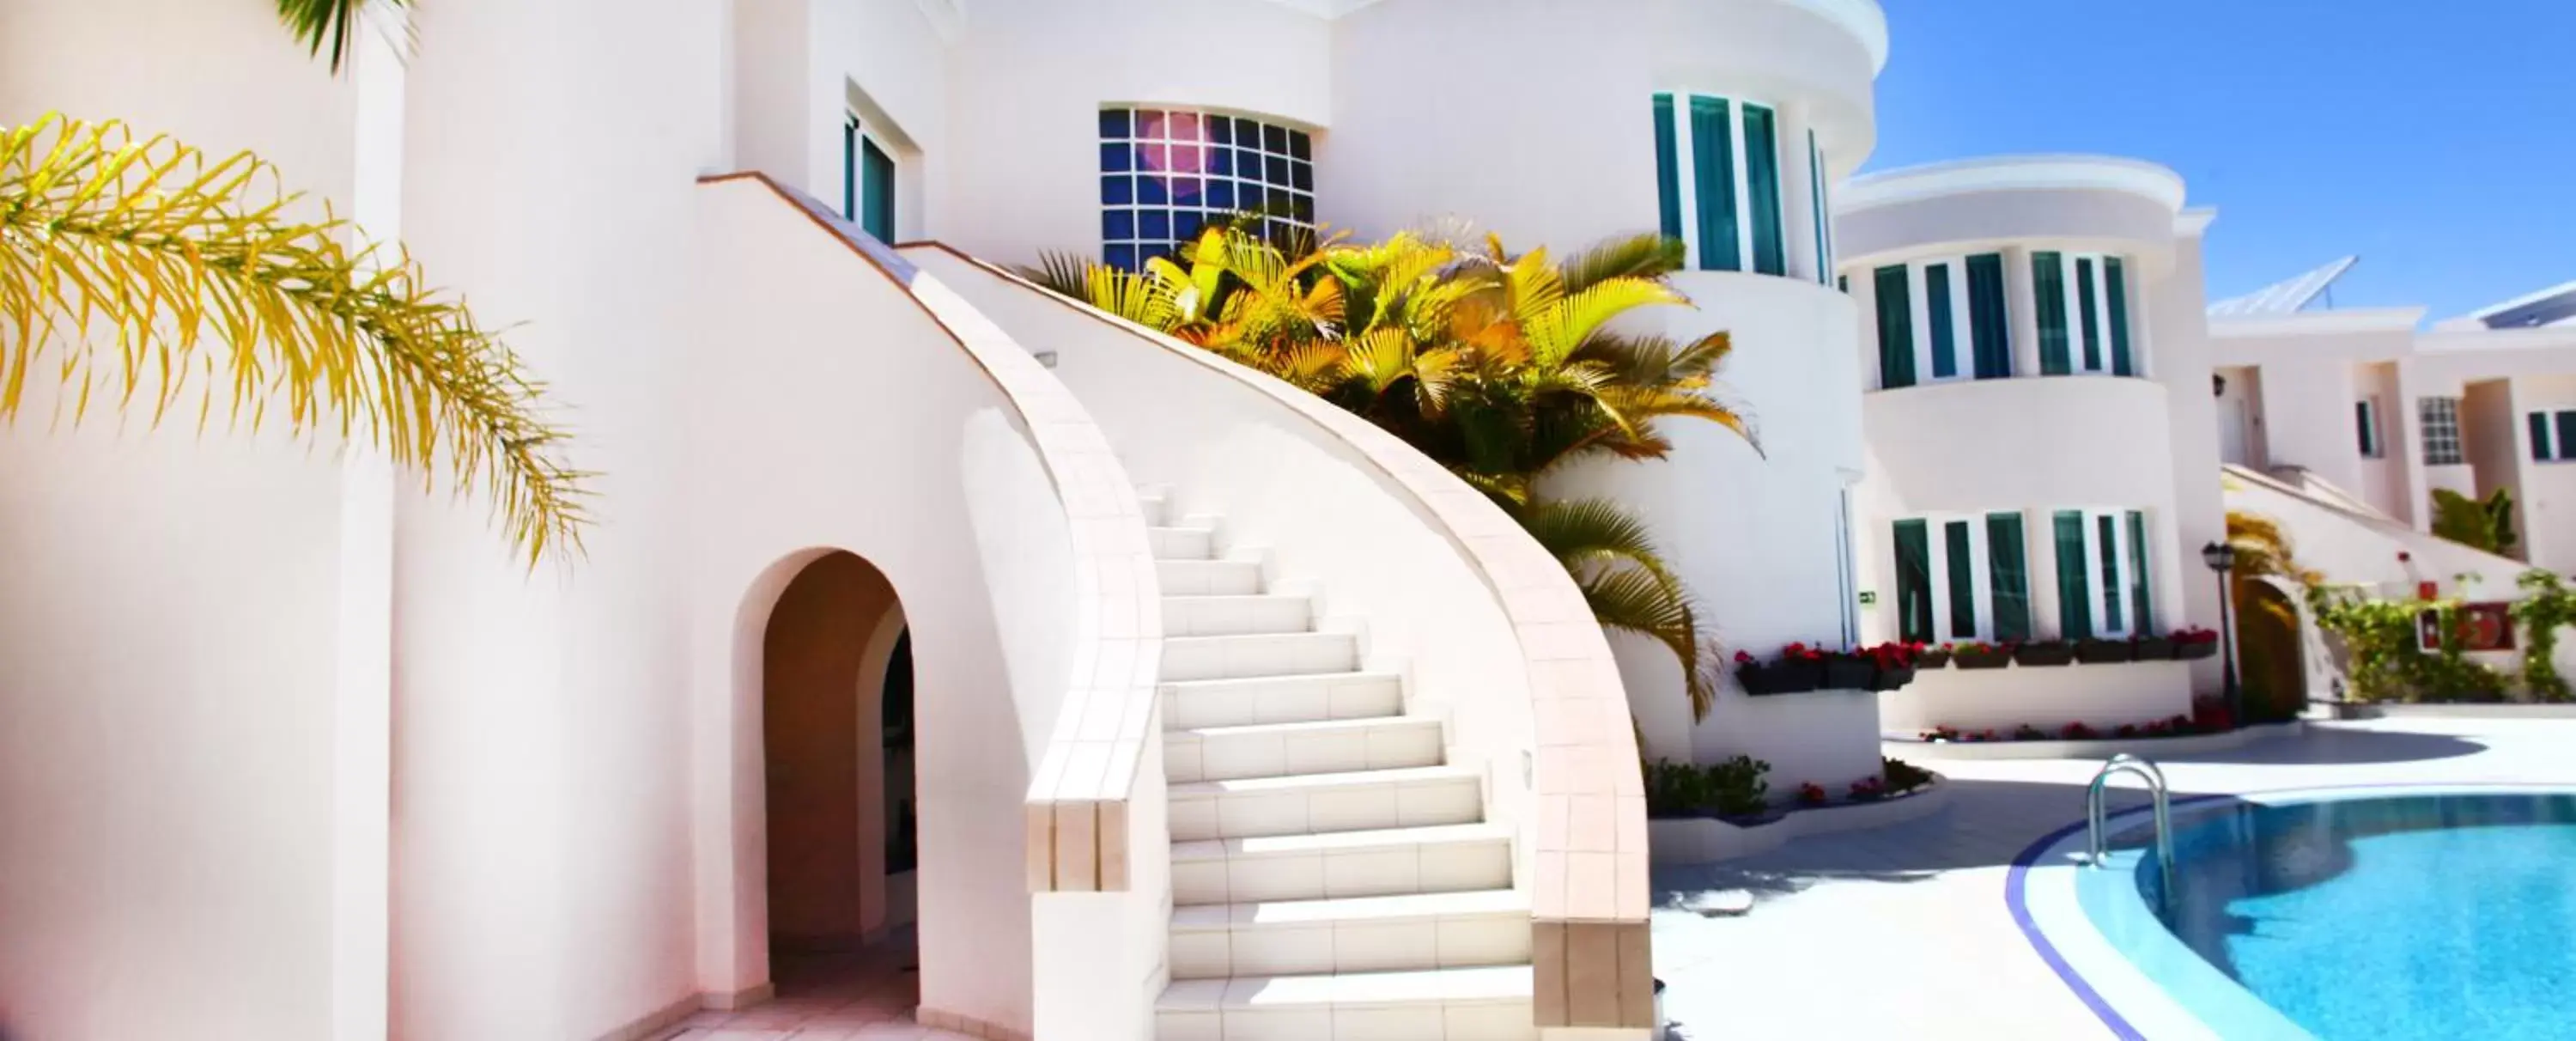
[1741, 658]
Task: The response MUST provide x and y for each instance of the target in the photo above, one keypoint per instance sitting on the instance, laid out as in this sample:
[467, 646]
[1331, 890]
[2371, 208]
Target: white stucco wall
[180, 846]
[2048, 697]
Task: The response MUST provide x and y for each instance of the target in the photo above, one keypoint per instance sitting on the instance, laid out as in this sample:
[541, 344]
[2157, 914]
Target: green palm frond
[192, 272]
[1637, 601]
[2264, 550]
[1650, 256]
[319, 24]
[1613, 557]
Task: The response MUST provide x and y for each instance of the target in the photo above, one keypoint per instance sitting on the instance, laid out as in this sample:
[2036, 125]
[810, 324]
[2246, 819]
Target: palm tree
[1503, 368]
[2263, 550]
[143, 269]
[319, 24]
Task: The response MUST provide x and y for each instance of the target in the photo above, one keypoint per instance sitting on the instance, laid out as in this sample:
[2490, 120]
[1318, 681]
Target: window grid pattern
[1729, 208]
[2441, 431]
[1167, 173]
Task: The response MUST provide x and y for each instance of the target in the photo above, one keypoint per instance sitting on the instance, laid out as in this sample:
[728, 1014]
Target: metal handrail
[2095, 818]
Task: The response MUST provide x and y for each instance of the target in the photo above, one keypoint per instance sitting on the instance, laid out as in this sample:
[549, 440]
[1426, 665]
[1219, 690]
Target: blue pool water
[2390, 919]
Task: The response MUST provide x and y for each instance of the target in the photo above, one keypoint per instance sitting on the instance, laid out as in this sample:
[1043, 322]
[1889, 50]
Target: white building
[2042, 462]
[290, 750]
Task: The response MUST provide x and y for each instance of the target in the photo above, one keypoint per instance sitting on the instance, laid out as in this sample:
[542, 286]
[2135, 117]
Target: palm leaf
[1650, 256]
[189, 268]
[318, 24]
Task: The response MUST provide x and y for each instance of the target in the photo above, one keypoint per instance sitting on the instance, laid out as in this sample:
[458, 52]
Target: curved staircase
[1333, 878]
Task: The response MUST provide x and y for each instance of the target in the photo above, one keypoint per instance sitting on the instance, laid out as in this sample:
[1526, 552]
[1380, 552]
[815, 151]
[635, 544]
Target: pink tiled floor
[832, 998]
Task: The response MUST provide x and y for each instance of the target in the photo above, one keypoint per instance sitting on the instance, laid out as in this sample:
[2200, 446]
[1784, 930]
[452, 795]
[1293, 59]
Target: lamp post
[2221, 559]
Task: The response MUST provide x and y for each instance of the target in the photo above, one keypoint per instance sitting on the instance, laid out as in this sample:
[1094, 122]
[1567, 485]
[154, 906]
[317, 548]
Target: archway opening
[838, 787]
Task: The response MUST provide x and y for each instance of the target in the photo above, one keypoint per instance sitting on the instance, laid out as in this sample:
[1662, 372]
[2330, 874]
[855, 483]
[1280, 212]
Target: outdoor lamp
[2221, 558]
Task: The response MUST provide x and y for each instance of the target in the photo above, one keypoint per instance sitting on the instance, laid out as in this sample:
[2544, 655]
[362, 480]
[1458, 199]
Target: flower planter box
[2155, 648]
[2105, 652]
[1886, 679]
[1844, 672]
[1991, 659]
[1932, 660]
[2051, 653]
[1780, 677]
[2196, 651]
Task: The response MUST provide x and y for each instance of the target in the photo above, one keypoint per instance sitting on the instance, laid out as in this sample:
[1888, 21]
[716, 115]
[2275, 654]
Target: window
[2548, 445]
[1846, 580]
[2102, 577]
[1958, 330]
[1730, 216]
[1165, 174]
[1822, 206]
[1961, 578]
[867, 181]
[2083, 301]
[2365, 417]
[2441, 431]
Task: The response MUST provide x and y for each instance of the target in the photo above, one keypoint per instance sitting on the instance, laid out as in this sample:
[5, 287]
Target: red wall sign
[2482, 627]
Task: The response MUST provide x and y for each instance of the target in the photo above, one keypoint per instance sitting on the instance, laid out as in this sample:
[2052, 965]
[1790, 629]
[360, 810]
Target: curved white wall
[1754, 535]
[2066, 440]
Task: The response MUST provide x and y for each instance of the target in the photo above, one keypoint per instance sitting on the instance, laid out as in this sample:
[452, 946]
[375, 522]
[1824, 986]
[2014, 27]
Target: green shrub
[2550, 606]
[1902, 776]
[1677, 790]
[2387, 663]
[1738, 786]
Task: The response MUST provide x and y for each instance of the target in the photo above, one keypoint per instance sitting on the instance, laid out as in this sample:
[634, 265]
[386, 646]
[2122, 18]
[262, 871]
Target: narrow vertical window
[1823, 210]
[876, 190]
[1913, 581]
[2142, 607]
[2074, 589]
[1895, 329]
[1713, 169]
[1957, 539]
[849, 167]
[2540, 443]
[1668, 167]
[2115, 288]
[1988, 323]
[2048, 290]
[2365, 418]
[2008, 577]
[1762, 190]
[2106, 533]
[2084, 305]
[1847, 581]
[2566, 435]
[1936, 299]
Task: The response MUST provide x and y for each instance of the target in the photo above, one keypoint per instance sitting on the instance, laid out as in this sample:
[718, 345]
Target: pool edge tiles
[2047, 894]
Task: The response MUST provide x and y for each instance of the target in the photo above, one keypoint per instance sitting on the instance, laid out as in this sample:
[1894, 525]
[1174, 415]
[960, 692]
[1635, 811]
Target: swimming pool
[2399, 914]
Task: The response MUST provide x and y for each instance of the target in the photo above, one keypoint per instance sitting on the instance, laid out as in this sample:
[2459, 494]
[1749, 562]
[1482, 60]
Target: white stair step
[1481, 1004]
[1442, 859]
[1195, 704]
[1182, 543]
[1236, 615]
[1362, 934]
[1280, 749]
[1208, 577]
[1369, 800]
[1266, 654]
[1155, 500]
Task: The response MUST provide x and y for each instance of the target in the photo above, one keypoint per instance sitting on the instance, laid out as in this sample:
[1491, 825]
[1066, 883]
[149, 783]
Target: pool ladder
[2095, 817]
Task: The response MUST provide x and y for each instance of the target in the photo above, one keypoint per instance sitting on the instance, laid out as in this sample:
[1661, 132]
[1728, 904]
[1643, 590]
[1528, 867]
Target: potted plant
[1869, 789]
[2044, 652]
[2027, 732]
[1892, 666]
[2093, 650]
[2078, 732]
[1738, 790]
[1933, 657]
[1980, 655]
[1846, 670]
[2153, 648]
[1811, 794]
[1791, 674]
[2195, 643]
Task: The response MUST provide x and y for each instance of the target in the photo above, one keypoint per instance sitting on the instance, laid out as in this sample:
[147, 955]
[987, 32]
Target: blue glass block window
[1167, 173]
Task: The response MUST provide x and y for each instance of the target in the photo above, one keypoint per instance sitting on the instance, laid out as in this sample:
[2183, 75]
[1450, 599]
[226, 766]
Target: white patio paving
[1903, 932]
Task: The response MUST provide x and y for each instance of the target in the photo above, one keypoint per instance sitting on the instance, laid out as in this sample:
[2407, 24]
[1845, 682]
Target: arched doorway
[2271, 652]
[836, 697]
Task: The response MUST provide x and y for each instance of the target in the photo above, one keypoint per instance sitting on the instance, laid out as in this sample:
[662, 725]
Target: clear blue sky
[2435, 139]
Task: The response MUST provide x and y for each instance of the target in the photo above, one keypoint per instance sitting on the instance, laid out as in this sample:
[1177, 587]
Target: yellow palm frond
[192, 267]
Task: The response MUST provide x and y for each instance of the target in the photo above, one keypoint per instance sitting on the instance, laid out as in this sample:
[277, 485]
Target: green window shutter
[876, 178]
[1989, 325]
[2115, 281]
[2074, 590]
[1762, 184]
[1823, 210]
[1843, 283]
[1713, 167]
[1668, 166]
[2368, 431]
[2540, 438]
[2008, 577]
[2092, 326]
[1895, 329]
[2048, 283]
[1913, 581]
[1962, 567]
[850, 168]
[2142, 607]
[2566, 434]
[1936, 299]
[2107, 536]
